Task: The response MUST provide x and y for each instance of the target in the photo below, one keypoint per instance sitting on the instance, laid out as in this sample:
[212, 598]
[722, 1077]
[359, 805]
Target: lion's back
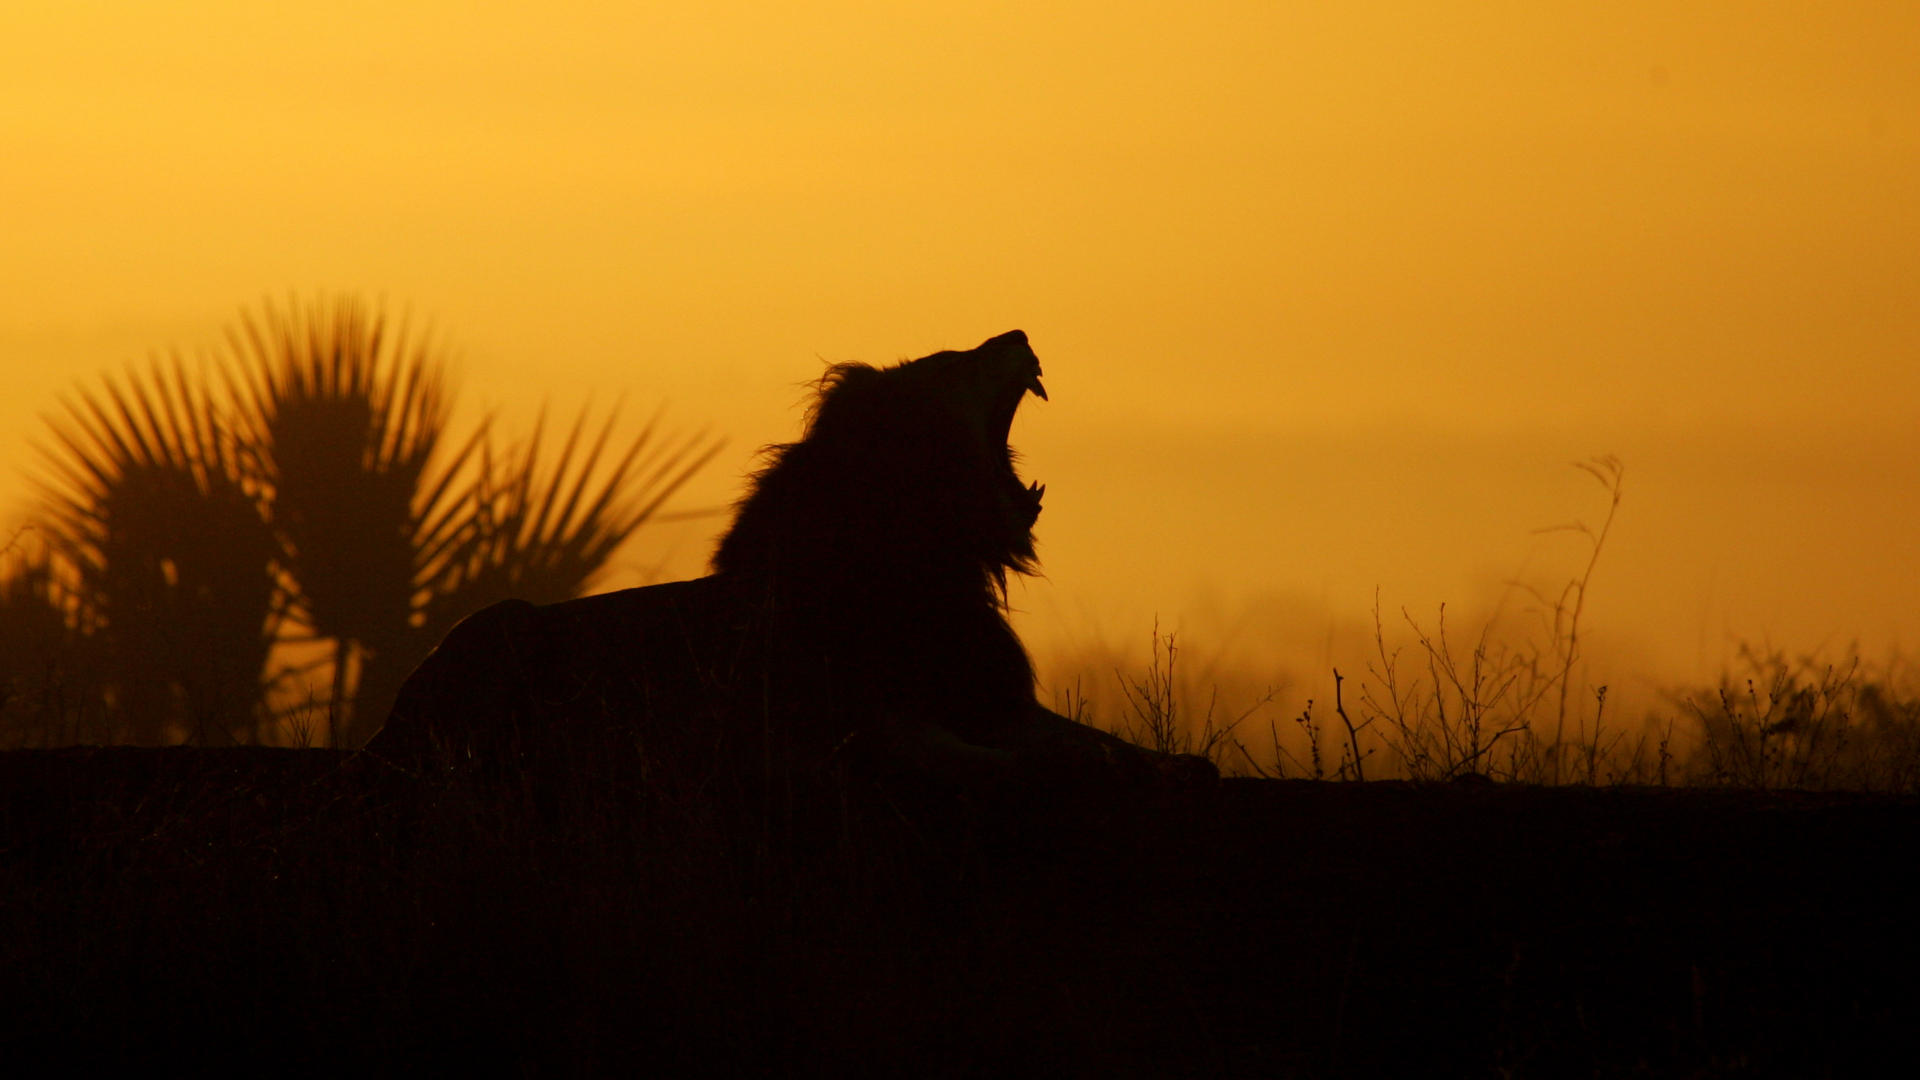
[515, 677]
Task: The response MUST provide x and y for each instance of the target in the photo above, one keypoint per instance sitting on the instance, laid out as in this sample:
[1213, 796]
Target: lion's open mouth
[1024, 379]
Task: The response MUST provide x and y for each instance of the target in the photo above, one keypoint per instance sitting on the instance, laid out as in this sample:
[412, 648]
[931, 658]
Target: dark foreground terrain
[308, 912]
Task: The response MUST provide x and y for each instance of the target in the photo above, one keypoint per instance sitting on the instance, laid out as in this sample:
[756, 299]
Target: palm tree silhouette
[172, 560]
[51, 683]
[317, 500]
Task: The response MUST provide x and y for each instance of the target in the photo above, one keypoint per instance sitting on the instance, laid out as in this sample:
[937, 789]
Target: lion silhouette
[855, 615]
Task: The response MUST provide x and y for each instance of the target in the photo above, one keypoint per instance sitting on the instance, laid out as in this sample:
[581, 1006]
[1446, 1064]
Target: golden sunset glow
[1328, 296]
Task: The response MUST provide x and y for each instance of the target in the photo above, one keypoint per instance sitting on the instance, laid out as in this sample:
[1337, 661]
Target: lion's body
[856, 610]
[699, 679]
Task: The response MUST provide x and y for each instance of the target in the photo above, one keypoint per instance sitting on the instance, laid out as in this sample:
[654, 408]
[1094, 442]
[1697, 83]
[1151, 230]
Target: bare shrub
[1806, 723]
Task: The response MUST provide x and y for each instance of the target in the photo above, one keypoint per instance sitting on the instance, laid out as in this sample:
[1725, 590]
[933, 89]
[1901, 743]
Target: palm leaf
[343, 418]
[542, 529]
[173, 560]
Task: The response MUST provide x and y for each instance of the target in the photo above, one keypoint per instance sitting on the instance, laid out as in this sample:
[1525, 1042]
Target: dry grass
[1436, 711]
[1509, 701]
[1808, 724]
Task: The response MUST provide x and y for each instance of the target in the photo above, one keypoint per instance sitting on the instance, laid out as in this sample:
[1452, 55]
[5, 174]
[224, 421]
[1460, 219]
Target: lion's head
[903, 476]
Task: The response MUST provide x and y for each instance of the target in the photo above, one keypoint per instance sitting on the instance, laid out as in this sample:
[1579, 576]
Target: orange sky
[1328, 295]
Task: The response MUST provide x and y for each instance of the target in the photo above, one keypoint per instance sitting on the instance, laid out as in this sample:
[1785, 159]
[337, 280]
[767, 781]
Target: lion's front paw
[1067, 761]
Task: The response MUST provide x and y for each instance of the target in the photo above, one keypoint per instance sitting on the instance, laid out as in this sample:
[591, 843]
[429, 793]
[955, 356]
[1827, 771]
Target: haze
[1329, 297]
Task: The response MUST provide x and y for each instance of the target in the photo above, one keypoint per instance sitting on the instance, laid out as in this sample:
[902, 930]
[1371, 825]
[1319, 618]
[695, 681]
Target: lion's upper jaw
[904, 477]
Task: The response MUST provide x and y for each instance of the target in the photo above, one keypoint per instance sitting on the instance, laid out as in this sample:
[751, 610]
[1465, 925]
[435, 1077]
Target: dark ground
[306, 911]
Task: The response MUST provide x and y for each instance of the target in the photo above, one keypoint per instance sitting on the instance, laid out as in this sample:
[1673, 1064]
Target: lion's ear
[853, 377]
[839, 392]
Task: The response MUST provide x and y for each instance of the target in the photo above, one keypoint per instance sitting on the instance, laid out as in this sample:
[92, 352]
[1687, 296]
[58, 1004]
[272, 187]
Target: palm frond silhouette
[173, 560]
[343, 419]
[318, 499]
